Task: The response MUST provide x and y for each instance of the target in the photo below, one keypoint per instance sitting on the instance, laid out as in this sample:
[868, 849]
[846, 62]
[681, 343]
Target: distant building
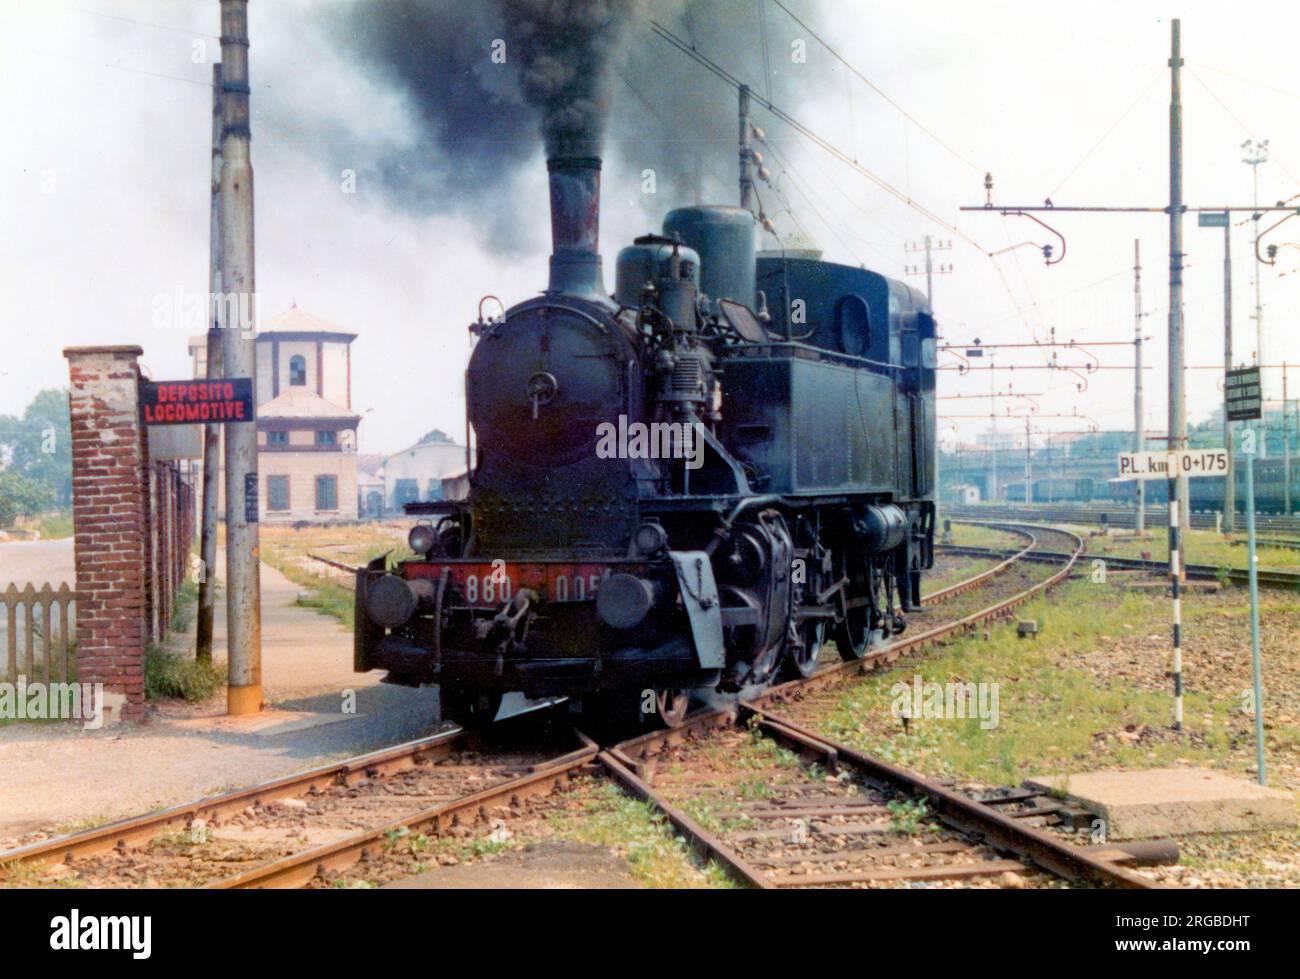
[416, 473]
[370, 486]
[455, 486]
[306, 429]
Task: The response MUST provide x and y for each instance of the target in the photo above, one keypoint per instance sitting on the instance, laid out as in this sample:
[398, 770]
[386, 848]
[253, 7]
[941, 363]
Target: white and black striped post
[1176, 585]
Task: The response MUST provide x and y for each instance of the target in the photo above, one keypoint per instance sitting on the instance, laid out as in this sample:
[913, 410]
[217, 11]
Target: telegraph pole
[1223, 219]
[211, 433]
[1029, 478]
[929, 246]
[993, 440]
[1139, 412]
[929, 274]
[243, 585]
[1177, 410]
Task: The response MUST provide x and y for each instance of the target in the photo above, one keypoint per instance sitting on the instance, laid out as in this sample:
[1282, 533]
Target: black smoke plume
[494, 82]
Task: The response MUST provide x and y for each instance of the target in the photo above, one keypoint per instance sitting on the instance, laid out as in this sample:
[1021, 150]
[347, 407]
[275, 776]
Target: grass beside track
[327, 589]
[1089, 692]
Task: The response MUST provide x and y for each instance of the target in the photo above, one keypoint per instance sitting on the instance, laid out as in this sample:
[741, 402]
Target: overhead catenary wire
[814, 137]
[876, 88]
[109, 64]
[1106, 135]
[141, 23]
[1248, 130]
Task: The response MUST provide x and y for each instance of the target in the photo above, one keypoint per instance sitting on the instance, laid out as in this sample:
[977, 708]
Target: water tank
[724, 239]
[648, 262]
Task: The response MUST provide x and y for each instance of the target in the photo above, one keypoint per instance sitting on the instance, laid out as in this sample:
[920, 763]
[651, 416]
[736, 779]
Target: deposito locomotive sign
[197, 402]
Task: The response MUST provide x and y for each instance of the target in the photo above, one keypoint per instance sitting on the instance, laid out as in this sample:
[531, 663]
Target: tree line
[36, 458]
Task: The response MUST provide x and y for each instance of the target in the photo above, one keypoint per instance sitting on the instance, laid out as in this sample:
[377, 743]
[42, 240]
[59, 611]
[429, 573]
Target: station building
[306, 428]
[416, 473]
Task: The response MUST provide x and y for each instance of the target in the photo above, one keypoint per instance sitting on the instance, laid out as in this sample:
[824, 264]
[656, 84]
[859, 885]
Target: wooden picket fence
[39, 638]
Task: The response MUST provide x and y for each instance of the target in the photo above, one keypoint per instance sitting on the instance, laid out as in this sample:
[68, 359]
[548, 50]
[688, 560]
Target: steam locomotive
[689, 485]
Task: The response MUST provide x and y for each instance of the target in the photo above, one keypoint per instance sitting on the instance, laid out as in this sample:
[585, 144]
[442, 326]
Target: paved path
[304, 653]
[37, 561]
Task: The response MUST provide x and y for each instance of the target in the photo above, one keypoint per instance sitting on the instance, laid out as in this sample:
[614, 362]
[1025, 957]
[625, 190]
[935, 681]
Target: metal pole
[1254, 615]
[243, 587]
[1177, 397]
[746, 159]
[993, 438]
[1259, 305]
[1286, 443]
[1139, 411]
[211, 433]
[1177, 415]
[1230, 479]
[1029, 482]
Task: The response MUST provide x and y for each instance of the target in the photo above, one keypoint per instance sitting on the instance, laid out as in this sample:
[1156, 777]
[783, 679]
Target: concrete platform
[1174, 801]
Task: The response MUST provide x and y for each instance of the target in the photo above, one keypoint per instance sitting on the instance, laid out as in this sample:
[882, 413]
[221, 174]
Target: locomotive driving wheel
[805, 640]
[863, 595]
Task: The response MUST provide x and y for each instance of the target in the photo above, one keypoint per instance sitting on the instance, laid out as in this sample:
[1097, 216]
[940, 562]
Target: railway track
[1201, 572]
[792, 808]
[308, 829]
[292, 830]
[1157, 516]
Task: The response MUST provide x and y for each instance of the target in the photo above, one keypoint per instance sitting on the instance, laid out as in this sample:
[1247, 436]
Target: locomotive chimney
[575, 225]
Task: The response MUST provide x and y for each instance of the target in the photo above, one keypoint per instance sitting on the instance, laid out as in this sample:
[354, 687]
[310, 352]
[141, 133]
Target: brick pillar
[109, 523]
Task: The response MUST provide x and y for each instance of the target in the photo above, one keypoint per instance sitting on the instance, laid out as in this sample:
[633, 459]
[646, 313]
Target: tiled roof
[298, 402]
[295, 320]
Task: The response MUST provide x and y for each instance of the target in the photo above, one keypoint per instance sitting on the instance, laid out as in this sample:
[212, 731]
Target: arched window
[297, 370]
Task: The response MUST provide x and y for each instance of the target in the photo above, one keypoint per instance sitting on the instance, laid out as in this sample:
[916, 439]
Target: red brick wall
[110, 521]
[133, 523]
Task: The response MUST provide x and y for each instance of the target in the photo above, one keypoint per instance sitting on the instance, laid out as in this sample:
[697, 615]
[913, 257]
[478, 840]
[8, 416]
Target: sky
[104, 207]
